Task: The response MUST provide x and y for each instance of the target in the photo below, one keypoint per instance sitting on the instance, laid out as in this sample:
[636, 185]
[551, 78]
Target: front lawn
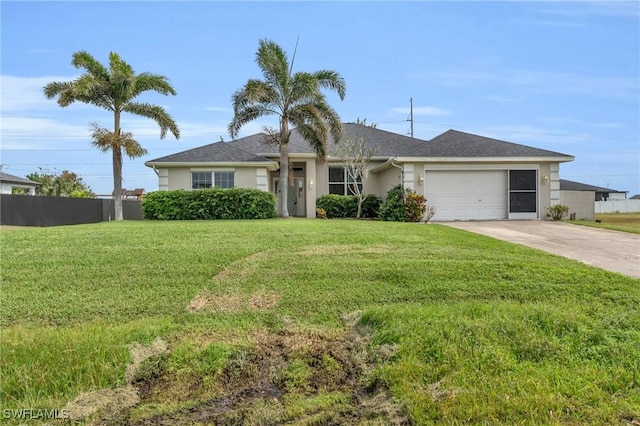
[625, 222]
[311, 322]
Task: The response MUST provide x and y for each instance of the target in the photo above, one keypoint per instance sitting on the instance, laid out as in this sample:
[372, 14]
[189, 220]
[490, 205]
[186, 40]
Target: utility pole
[411, 116]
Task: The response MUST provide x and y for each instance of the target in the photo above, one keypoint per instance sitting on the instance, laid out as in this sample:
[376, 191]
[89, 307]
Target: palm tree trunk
[284, 168]
[117, 168]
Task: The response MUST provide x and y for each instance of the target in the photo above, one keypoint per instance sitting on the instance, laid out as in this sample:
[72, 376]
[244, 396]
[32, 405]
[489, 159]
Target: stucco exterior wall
[388, 179]
[373, 182]
[582, 203]
[180, 178]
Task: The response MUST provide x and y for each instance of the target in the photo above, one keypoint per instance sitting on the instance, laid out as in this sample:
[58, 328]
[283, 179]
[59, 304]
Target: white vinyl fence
[618, 206]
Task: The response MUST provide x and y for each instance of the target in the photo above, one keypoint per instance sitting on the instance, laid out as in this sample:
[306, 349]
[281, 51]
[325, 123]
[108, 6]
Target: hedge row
[345, 206]
[214, 203]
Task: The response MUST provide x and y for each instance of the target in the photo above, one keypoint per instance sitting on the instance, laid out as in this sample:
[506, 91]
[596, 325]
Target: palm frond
[274, 64]
[245, 115]
[303, 86]
[83, 59]
[104, 140]
[157, 114]
[119, 67]
[95, 91]
[257, 92]
[55, 88]
[158, 83]
[329, 79]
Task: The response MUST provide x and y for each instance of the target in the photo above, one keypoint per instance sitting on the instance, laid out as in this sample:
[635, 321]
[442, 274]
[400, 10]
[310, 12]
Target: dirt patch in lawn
[291, 376]
[108, 403]
[233, 302]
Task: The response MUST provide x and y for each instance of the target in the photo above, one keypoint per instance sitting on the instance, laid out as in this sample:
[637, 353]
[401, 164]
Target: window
[522, 191]
[340, 182]
[201, 180]
[224, 180]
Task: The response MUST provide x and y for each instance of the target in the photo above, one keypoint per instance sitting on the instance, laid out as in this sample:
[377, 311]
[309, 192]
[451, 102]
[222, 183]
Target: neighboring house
[635, 197]
[464, 176]
[600, 193]
[586, 200]
[8, 182]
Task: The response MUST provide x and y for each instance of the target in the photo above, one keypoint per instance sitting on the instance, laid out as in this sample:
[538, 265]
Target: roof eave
[542, 159]
[271, 165]
[291, 154]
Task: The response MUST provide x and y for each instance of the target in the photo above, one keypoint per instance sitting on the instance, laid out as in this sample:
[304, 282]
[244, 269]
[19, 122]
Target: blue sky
[563, 76]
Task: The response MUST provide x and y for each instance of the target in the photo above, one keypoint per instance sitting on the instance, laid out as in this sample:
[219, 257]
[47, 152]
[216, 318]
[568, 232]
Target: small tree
[356, 155]
[114, 89]
[64, 184]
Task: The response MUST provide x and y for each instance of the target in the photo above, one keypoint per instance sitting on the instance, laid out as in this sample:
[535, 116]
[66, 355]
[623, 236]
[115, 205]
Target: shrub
[557, 211]
[370, 206]
[342, 206]
[404, 206]
[338, 206]
[393, 207]
[207, 204]
[321, 214]
[414, 206]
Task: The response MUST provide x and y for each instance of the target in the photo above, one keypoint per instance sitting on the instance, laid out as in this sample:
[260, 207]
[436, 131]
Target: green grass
[482, 331]
[625, 222]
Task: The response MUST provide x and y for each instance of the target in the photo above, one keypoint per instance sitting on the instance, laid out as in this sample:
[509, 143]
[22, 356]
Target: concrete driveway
[611, 250]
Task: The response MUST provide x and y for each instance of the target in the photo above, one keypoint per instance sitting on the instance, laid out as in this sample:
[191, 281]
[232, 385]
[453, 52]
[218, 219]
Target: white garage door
[467, 195]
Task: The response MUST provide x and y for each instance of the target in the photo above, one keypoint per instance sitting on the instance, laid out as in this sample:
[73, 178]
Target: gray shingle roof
[6, 177]
[453, 143]
[568, 185]
[215, 152]
[390, 144]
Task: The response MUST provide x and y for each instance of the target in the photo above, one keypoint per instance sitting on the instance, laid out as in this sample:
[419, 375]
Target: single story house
[600, 193]
[464, 176]
[8, 182]
[581, 198]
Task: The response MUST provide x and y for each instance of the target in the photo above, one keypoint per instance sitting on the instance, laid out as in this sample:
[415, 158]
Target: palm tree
[296, 99]
[114, 89]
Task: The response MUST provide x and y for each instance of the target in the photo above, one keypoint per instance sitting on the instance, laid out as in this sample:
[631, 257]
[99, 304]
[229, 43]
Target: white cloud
[30, 133]
[26, 93]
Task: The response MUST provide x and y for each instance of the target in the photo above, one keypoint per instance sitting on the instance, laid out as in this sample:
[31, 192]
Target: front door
[296, 196]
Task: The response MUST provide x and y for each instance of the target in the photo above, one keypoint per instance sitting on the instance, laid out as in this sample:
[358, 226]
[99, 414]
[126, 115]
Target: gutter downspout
[393, 160]
[155, 171]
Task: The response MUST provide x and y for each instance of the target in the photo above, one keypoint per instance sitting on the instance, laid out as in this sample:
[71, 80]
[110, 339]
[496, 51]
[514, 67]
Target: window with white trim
[223, 180]
[201, 180]
[340, 182]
